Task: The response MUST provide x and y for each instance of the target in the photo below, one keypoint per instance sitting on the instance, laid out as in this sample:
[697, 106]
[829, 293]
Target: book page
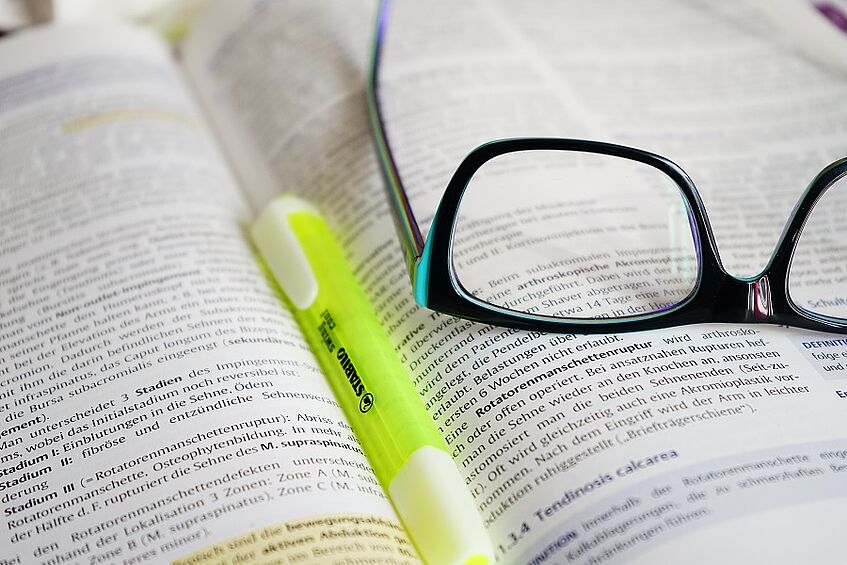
[702, 443]
[816, 30]
[156, 397]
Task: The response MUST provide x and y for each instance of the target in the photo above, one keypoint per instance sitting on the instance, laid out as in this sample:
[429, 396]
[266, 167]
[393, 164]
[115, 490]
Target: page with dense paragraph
[701, 443]
[156, 397]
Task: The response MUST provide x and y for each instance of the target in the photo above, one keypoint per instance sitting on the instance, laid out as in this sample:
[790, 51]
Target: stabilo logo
[366, 399]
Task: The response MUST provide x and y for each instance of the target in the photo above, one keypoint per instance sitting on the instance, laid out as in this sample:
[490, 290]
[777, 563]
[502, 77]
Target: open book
[158, 403]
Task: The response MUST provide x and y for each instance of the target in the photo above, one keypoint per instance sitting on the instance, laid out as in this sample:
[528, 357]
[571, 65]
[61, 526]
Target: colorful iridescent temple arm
[404, 218]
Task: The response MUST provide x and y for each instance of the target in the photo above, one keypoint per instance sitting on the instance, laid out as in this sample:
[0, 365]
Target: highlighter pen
[398, 436]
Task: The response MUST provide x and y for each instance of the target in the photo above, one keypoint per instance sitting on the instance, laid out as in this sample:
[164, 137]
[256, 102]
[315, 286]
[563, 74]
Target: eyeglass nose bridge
[746, 300]
[735, 299]
[759, 300]
[755, 299]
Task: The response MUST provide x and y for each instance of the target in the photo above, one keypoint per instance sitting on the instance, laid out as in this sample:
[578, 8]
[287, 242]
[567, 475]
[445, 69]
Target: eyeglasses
[567, 235]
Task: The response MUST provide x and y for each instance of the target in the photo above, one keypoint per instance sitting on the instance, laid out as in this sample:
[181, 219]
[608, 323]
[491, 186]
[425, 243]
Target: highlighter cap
[439, 511]
[283, 252]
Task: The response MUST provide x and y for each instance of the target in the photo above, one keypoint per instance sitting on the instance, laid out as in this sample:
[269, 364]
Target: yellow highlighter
[398, 436]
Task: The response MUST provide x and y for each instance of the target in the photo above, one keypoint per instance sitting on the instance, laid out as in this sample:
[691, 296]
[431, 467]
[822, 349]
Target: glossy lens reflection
[817, 279]
[574, 235]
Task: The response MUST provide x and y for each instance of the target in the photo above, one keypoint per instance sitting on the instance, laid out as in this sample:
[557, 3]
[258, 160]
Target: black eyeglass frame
[717, 297]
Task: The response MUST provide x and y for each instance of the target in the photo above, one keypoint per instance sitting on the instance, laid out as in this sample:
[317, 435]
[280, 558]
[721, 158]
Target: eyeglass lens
[818, 274]
[574, 235]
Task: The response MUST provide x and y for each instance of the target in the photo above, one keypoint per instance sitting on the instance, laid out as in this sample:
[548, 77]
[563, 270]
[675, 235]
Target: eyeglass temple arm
[404, 219]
